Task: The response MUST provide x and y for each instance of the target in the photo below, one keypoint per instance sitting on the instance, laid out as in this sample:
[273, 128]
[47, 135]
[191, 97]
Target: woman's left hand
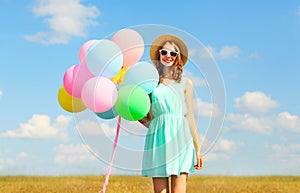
[199, 164]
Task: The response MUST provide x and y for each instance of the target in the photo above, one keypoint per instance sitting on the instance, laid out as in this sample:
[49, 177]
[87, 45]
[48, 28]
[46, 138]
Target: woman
[172, 138]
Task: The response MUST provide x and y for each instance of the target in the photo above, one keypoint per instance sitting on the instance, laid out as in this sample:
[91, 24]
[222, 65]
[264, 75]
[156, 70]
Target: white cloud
[222, 149]
[1, 93]
[263, 124]
[72, 154]
[92, 128]
[197, 81]
[247, 122]
[254, 55]
[287, 121]
[207, 52]
[227, 52]
[286, 156]
[258, 102]
[4, 162]
[216, 156]
[132, 128]
[284, 149]
[65, 18]
[298, 11]
[88, 128]
[40, 127]
[192, 52]
[22, 154]
[206, 109]
[224, 145]
[255, 102]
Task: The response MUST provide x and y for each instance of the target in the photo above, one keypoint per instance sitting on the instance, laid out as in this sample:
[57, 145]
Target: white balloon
[104, 58]
[143, 74]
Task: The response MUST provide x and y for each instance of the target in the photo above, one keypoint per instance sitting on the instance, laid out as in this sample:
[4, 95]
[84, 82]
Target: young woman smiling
[172, 144]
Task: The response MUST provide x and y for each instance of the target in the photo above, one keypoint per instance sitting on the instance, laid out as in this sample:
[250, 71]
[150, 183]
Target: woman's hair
[176, 68]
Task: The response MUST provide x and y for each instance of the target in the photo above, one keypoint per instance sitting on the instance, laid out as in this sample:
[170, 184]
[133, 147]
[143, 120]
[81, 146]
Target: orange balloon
[70, 103]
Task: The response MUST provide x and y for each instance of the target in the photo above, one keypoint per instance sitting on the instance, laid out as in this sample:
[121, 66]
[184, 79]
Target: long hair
[177, 67]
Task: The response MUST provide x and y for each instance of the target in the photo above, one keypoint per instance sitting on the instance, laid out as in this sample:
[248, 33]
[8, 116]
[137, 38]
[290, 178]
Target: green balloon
[133, 103]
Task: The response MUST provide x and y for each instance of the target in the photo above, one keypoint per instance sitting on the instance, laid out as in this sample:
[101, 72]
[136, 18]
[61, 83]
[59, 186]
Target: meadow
[137, 184]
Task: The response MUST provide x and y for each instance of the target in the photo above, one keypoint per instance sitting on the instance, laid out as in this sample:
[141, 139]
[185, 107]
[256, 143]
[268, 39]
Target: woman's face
[168, 54]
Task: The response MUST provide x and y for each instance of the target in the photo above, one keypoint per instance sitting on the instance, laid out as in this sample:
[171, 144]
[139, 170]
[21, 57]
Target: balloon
[74, 79]
[133, 103]
[110, 114]
[104, 59]
[119, 78]
[99, 94]
[68, 102]
[131, 44]
[144, 75]
[84, 50]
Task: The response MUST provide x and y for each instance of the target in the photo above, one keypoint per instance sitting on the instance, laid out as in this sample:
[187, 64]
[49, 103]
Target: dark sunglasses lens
[163, 52]
[174, 54]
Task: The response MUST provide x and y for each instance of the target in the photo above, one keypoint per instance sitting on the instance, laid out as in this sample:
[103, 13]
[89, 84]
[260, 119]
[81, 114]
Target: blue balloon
[142, 74]
[104, 58]
[110, 114]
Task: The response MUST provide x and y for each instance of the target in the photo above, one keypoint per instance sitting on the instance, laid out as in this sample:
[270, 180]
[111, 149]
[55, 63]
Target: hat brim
[157, 43]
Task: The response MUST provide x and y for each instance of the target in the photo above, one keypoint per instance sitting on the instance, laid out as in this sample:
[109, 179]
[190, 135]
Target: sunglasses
[164, 52]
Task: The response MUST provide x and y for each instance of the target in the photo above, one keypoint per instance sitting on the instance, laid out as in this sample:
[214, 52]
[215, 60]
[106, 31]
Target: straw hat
[157, 43]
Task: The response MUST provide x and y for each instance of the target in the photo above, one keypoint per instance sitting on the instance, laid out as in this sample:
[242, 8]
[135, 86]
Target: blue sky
[255, 44]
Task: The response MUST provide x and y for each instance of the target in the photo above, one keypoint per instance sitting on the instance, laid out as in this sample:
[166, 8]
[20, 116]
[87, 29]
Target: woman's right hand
[146, 120]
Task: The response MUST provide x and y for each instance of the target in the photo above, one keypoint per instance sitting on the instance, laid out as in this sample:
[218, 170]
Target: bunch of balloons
[103, 66]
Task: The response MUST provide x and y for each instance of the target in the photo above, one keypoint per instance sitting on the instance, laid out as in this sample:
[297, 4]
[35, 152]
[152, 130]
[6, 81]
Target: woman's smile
[167, 61]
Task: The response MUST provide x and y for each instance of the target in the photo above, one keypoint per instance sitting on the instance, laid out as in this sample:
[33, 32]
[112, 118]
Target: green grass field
[137, 184]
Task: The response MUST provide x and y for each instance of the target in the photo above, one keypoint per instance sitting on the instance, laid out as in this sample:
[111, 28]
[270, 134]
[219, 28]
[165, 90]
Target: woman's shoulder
[187, 80]
[188, 83]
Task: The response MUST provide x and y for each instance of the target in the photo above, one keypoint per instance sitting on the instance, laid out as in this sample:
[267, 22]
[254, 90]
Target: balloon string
[112, 156]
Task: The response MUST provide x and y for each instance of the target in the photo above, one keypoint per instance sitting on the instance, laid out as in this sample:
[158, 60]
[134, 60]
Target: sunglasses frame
[168, 53]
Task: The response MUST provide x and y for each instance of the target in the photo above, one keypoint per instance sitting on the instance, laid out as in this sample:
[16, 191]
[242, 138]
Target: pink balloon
[99, 94]
[131, 44]
[74, 79]
[84, 49]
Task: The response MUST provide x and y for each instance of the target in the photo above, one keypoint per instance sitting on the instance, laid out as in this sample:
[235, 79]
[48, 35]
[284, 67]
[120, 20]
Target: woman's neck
[167, 73]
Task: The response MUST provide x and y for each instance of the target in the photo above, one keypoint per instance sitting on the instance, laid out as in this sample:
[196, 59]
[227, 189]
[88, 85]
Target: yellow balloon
[119, 78]
[70, 103]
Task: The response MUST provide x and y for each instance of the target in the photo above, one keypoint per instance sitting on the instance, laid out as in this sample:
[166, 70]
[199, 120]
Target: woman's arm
[189, 92]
